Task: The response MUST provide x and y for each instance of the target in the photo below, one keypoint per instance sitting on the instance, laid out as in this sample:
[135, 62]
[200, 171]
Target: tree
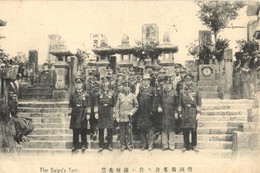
[217, 14]
[206, 52]
[82, 57]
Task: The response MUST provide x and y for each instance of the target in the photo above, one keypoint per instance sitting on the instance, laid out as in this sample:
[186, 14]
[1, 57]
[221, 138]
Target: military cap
[120, 74]
[157, 68]
[79, 78]
[188, 76]
[131, 68]
[177, 65]
[108, 67]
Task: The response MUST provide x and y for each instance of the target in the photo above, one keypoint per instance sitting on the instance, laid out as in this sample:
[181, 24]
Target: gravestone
[33, 65]
[228, 73]
[204, 37]
[150, 33]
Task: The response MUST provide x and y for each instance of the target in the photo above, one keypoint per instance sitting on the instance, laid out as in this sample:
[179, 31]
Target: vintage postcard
[129, 86]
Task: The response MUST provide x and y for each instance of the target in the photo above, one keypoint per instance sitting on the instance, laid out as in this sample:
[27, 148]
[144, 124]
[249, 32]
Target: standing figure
[167, 106]
[145, 99]
[156, 118]
[237, 77]
[178, 84]
[126, 107]
[190, 102]
[106, 103]
[78, 122]
[257, 77]
[92, 89]
[246, 77]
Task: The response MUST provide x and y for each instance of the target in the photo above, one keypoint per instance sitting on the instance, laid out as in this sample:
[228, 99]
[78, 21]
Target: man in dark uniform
[156, 118]
[178, 84]
[78, 122]
[146, 100]
[190, 100]
[92, 89]
[112, 78]
[106, 102]
[167, 106]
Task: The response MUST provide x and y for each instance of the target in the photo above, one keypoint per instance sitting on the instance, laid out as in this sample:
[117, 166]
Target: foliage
[208, 51]
[219, 48]
[6, 61]
[217, 14]
[249, 47]
[149, 48]
[82, 56]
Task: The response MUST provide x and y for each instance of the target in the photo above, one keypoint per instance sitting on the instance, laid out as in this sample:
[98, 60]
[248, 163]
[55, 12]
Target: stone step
[51, 131]
[226, 102]
[116, 144]
[43, 115]
[209, 94]
[220, 124]
[40, 104]
[51, 125]
[223, 118]
[224, 112]
[213, 153]
[37, 120]
[44, 110]
[207, 88]
[201, 130]
[178, 138]
[216, 130]
[200, 124]
[225, 107]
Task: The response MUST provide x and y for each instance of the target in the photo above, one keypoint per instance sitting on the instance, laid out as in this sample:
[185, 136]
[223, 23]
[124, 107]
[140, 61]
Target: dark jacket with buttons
[79, 103]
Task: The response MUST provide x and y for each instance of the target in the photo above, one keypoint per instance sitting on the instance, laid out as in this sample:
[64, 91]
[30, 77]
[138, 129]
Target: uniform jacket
[190, 101]
[146, 99]
[167, 101]
[106, 102]
[79, 103]
[125, 105]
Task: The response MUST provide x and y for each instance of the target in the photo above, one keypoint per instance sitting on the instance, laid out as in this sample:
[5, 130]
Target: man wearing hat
[78, 121]
[167, 106]
[190, 102]
[106, 102]
[145, 99]
[111, 77]
[178, 84]
[156, 118]
[93, 88]
[126, 107]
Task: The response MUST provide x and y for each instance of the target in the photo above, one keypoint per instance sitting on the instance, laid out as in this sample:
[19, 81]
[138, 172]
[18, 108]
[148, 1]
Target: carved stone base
[60, 95]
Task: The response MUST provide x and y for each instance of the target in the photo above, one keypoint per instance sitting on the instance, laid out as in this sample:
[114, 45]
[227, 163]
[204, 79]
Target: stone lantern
[125, 51]
[62, 70]
[168, 50]
[103, 53]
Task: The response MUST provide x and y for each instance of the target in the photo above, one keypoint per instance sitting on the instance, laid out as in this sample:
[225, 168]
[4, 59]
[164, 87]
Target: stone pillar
[228, 73]
[73, 65]
[33, 65]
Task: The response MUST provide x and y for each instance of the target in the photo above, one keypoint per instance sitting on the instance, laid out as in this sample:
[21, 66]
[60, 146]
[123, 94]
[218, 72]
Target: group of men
[246, 75]
[142, 103]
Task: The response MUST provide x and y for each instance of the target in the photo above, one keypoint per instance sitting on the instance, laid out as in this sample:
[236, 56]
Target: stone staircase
[52, 134]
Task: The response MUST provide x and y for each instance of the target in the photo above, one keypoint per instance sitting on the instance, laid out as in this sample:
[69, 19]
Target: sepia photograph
[127, 86]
